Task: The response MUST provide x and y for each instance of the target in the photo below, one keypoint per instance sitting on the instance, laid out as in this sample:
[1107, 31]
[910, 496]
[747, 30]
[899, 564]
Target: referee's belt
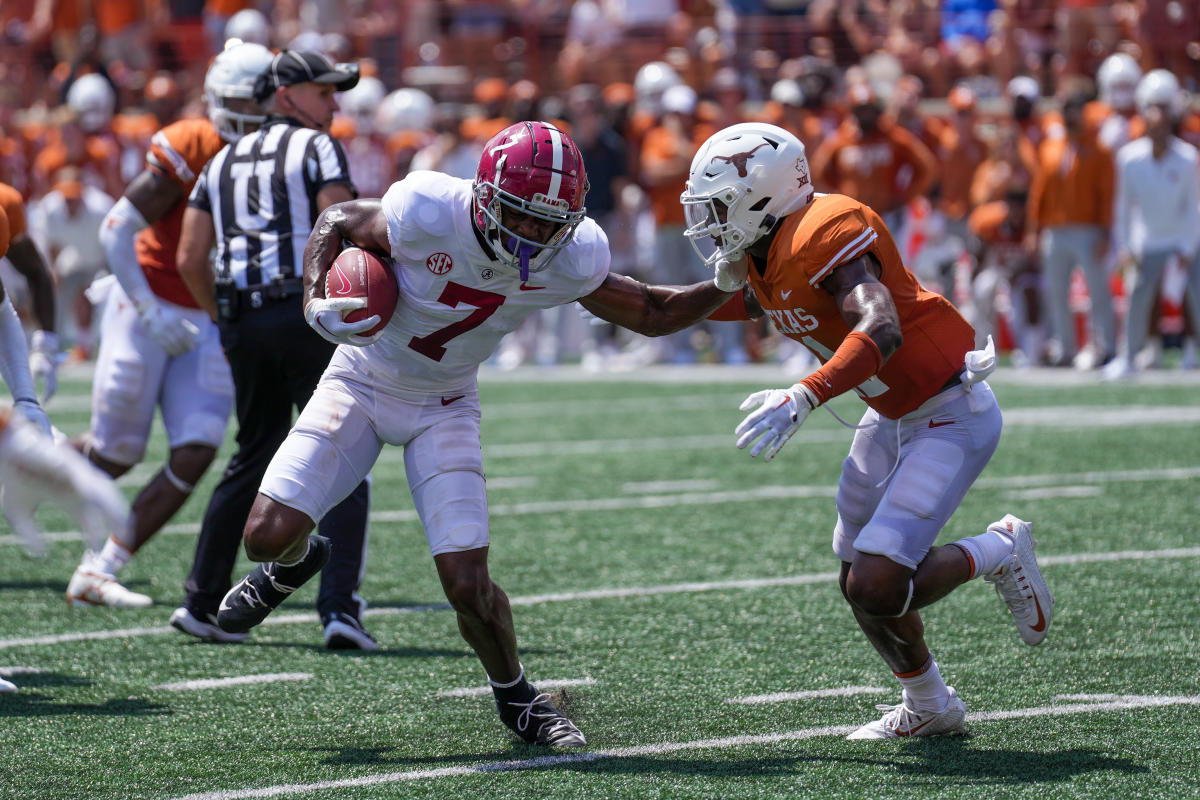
[270, 293]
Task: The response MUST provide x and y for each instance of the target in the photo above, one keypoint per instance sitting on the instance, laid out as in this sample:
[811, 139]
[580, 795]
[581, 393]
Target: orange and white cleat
[1020, 584]
[92, 588]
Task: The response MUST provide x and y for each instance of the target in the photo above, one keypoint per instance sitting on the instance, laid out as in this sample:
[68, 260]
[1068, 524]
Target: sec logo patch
[439, 263]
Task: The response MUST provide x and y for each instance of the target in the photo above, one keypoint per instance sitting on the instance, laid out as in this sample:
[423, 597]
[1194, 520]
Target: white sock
[294, 562]
[514, 682]
[925, 689]
[112, 558]
[986, 551]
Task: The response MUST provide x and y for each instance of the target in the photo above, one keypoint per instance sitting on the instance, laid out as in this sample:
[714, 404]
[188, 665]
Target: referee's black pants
[276, 360]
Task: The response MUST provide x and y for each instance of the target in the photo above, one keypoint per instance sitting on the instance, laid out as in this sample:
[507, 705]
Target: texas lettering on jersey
[792, 320]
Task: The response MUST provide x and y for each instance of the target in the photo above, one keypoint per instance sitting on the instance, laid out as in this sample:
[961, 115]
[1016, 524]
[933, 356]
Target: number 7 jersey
[457, 301]
[834, 230]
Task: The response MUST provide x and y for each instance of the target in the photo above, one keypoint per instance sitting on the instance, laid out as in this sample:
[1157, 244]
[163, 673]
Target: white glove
[325, 317]
[33, 471]
[33, 412]
[731, 275]
[779, 414]
[980, 363]
[43, 361]
[168, 328]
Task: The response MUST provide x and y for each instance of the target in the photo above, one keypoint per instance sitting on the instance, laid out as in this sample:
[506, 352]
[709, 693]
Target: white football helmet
[94, 100]
[1118, 78]
[249, 25]
[651, 81]
[361, 101]
[742, 180]
[404, 110]
[1160, 87]
[231, 77]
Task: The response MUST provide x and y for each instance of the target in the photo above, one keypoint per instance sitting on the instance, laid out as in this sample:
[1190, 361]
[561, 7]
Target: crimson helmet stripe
[556, 163]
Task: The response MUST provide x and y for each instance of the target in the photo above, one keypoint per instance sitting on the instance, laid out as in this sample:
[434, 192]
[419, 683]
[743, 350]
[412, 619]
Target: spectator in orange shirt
[1070, 209]
[960, 151]
[874, 160]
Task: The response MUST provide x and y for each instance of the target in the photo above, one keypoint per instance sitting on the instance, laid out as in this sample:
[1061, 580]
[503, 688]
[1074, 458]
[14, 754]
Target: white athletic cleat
[1020, 584]
[91, 588]
[7, 686]
[902, 720]
[182, 619]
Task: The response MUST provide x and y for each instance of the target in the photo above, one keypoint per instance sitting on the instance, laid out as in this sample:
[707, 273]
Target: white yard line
[664, 748]
[1051, 492]
[480, 691]
[655, 487]
[614, 593]
[756, 494]
[21, 670]
[237, 680]
[810, 694]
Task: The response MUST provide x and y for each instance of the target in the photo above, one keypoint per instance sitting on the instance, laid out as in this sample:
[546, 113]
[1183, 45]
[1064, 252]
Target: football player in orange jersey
[158, 348]
[826, 271]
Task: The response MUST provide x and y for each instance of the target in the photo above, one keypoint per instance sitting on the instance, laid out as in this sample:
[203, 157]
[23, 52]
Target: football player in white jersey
[158, 348]
[473, 260]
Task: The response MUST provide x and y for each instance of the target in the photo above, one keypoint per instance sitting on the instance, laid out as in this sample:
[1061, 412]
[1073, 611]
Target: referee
[256, 200]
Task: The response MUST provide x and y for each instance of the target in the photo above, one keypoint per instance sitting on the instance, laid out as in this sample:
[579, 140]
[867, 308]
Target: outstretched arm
[652, 310]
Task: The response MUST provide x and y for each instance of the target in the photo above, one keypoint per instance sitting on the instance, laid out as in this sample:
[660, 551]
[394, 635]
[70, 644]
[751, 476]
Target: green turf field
[683, 594]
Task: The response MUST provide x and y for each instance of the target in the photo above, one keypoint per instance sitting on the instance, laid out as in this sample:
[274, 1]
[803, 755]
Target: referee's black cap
[291, 67]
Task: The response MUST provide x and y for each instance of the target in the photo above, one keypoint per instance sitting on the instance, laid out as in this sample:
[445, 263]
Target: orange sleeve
[855, 361]
[14, 209]
[182, 148]
[734, 310]
[985, 220]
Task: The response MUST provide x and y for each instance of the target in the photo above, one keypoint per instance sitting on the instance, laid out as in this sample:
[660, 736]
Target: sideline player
[473, 259]
[158, 348]
[826, 271]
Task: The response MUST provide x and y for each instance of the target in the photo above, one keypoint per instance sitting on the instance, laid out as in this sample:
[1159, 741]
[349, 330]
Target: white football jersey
[456, 300]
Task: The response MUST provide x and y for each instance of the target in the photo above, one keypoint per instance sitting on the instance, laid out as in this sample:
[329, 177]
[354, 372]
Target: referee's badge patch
[439, 263]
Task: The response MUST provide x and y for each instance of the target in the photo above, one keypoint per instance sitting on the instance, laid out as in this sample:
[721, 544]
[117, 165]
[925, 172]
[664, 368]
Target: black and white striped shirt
[262, 194]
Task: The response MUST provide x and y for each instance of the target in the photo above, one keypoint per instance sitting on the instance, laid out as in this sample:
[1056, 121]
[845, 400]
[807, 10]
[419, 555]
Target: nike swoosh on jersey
[787, 294]
[934, 424]
[448, 400]
[525, 288]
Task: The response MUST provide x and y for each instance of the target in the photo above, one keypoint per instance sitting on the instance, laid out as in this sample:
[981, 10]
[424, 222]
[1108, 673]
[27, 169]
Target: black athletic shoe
[535, 720]
[344, 632]
[258, 594]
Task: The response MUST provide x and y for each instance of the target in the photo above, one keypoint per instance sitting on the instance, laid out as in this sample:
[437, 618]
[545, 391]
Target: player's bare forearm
[652, 310]
[359, 222]
[195, 243]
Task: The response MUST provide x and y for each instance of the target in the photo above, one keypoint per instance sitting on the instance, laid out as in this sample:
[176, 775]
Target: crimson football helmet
[534, 169]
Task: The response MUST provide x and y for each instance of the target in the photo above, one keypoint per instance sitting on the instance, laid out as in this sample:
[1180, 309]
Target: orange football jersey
[835, 229]
[178, 152]
[13, 206]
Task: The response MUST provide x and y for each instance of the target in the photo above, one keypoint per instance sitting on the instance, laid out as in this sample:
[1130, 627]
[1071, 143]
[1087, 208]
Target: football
[359, 273]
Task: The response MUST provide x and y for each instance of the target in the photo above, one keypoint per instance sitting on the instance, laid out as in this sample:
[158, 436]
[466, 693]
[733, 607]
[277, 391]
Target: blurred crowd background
[930, 111]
